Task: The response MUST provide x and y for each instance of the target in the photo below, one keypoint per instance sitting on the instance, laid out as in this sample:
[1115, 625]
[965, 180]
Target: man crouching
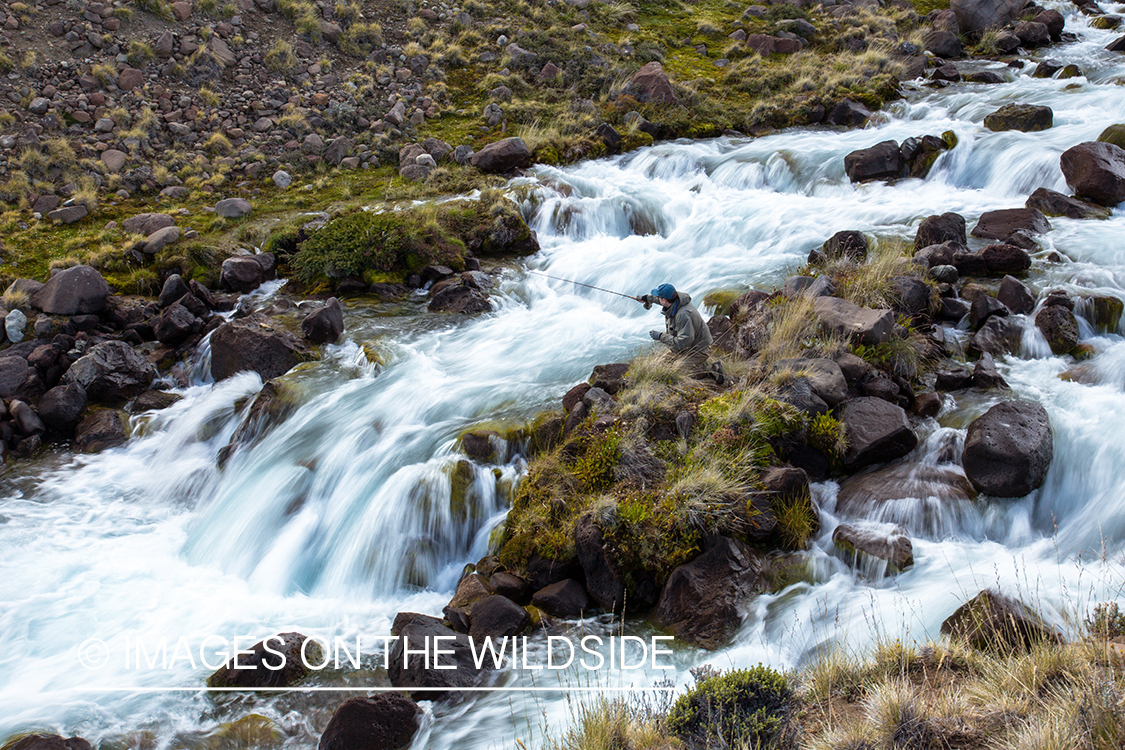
[685, 332]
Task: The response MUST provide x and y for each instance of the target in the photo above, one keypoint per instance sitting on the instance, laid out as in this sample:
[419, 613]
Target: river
[339, 518]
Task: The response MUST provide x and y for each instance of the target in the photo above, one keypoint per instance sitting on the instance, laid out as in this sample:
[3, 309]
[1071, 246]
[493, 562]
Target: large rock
[1003, 258]
[1002, 224]
[112, 371]
[147, 223]
[49, 742]
[241, 274]
[1051, 203]
[912, 297]
[387, 721]
[413, 651]
[651, 84]
[497, 616]
[604, 580]
[102, 429]
[566, 599]
[1023, 117]
[877, 431]
[862, 542]
[974, 16]
[861, 325]
[846, 244]
[326, 324]
[824, 376]
[263, 668]
[174, 325]
[991, 621]
[883, 161]
[944, 44]
[1015, 295]
[252, 344]
[1095, 171]
[14, 372]
[937, 229]
[702, 601]
[1059, 327]
[1008, 449]
[999, 335]
[459, 298]
[61, 407]
[78, 290]
[503, 156]
[233, 208]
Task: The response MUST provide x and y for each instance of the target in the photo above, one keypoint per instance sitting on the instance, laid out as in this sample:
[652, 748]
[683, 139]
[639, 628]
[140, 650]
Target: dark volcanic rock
[999, 335]
[566, 599]
[460, 299]
[604, 581]
[1059, 327]
[1008, 449]
[61, 407]
[112, 371]
[934, 230]
[252, 344]
[702, 601]
[497, 616]
[1024, 117]
[877, 431]
[408, 662]
[102, 429]
[991, 621]
[1000, 225]
[262, 669]
[1005, 259]
[49, 742]
[384, 722]
[1056, 204]
[883, 161]
[1095, 171]
[326, 324]
[503, 156]
[1015, 295]
[860, 541]
[75, 291]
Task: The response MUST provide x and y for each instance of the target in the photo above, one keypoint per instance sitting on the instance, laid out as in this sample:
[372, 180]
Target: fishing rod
[588, 286]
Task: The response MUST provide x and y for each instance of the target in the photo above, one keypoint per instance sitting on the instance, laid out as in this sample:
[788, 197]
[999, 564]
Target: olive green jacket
[685, 331]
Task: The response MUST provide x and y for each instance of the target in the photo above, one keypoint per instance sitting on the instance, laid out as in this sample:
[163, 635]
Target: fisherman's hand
[644, 300]
[655, 335]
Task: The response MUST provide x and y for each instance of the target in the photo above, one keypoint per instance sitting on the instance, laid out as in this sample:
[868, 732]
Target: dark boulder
[861, 325]
[281, 665]
[411, 654]
[387, 721]
[241, 274]
[497, 616]
[1008, 449]
[511, 586]
[102, 429]
[1051, 203]
[824, 376]
[326, 324]
[934, 230]
[14, 372]
[703, 599]
[999, 335]
[49, 742]
[174, 325]
[1059, 327]
[883, 161]
[153, 401]
[252, 344]
[985, 374]
[912, 297]
[1095, 171]
[112, 371]
[1015, 295]
[503, 156]
[999, 225]
[61, 408]
[174, 288]
[459, 298]
[943, 44]
[610, 378]
[566, 599]
[1005, 259]
[604, 580]
[1032, 34]
[846, 244]
[983, 308]
[991, 621]
[848, 113]
[877, 431]
[78, 290]
[979, 15]
[1054, 22]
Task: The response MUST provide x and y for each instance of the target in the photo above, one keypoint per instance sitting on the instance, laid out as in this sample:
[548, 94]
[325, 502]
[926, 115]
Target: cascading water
[356, 507]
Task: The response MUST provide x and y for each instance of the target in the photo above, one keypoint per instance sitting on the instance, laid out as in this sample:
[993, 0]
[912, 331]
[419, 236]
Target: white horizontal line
[324, 689]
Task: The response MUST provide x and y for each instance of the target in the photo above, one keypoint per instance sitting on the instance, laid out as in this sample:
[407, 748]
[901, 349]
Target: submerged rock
[863, 542]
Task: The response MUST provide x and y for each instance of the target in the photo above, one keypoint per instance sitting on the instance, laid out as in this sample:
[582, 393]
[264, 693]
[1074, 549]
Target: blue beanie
[665, 291]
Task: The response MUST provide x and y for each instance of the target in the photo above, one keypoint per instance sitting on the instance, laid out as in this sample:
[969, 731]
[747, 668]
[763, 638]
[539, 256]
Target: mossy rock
[462, 474]
[1107, 311]
[1114, 134]
[950, 139]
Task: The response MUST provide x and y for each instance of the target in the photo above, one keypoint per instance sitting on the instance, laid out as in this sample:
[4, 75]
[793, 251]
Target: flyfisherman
[685, 332]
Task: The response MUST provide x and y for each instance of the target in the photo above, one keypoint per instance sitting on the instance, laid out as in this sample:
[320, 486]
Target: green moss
[740, 708]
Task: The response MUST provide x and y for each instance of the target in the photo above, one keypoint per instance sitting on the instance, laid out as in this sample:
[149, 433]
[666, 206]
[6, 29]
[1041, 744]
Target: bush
[741, 708]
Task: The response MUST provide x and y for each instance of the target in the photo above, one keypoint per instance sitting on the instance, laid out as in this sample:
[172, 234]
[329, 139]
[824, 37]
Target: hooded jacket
[684, 328]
